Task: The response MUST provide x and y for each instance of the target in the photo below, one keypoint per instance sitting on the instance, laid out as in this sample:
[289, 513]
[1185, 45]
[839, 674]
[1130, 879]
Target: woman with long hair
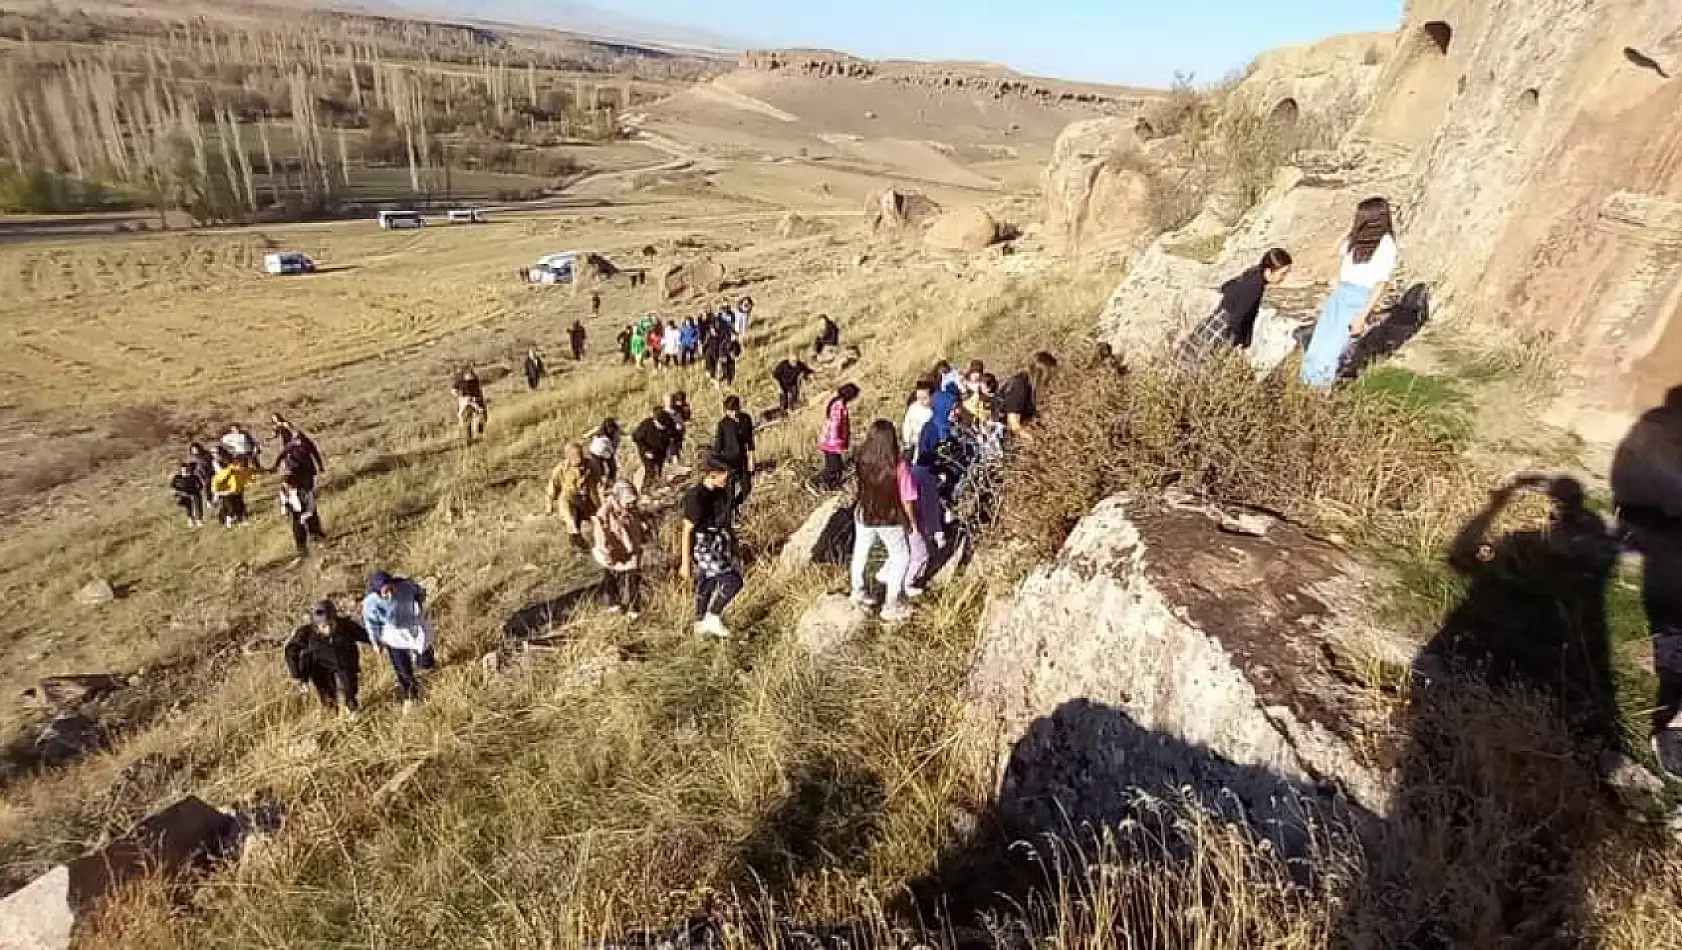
[1368, 259]
[885, 512]
[1233, 324]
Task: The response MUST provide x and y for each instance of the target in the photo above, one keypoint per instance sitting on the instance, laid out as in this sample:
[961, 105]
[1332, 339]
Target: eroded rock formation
[1096, 192]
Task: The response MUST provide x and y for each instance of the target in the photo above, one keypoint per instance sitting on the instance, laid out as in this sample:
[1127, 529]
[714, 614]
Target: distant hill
[572, 16]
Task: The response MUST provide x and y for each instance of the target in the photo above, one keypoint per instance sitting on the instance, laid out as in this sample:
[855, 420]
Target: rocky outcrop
[829, 628]
[693, 278]
[1164, 294]
[963, 229]
[1217, 644]
[992, 81]
[825, 537]
[1096, 192]
[895, 213]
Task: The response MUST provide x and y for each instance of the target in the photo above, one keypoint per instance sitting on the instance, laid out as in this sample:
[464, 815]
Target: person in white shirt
[1368, 258]
[917, 415]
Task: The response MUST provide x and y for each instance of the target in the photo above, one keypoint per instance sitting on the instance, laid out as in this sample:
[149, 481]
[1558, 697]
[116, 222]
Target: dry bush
[1272, 444]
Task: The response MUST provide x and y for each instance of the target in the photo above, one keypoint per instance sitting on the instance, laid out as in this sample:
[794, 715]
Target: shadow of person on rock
[1647, 491]
[1088, 788]
[1393, 328]
[1499, 807]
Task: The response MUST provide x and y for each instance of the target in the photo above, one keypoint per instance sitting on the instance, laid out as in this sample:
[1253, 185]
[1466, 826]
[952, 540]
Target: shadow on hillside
[1088, 786]
[539, 624]
[827, 821]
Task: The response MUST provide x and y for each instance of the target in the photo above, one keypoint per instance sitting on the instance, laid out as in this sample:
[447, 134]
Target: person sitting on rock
[1233, 324]
[394, 614]
[789, 373]
[621, 535]
[574, 490]
[829, 335]
[325, 653]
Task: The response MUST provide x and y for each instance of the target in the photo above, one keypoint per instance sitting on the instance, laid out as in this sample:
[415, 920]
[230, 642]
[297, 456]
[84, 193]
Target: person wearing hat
[621, 534]
[324, 653]
[708, 547]
[393, 612]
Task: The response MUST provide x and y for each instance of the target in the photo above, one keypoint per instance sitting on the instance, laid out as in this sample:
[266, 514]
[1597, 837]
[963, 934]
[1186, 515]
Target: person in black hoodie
[829, 335]
[325, 654]
[1233, 323]
[533, 368]
[189, 493]
[788, 375]
[653, 439]
[733, 446]
[624, 340]
[578, 339]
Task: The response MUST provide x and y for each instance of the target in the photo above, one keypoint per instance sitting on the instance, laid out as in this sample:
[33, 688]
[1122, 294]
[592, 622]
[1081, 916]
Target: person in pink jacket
[836, 437]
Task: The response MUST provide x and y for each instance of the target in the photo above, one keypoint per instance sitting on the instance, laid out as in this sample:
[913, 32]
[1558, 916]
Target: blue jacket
[686, 336]
[402, 612]
[940, 425]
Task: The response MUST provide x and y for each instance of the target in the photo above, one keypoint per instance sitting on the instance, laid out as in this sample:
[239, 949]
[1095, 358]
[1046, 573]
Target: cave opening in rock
[1440, 35]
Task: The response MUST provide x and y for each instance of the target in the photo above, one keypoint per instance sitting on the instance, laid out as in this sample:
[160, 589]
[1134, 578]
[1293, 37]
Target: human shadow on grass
[539, 624]
[1513, 719]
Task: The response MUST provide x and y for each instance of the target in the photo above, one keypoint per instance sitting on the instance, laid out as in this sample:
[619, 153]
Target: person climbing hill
[325, 653]
[579, 340]
[233, 476]
[829, 335]
[1233, 323]
[836, 437]
[533, 368]
[886, 514]
[394, 614]
[189, 493]
[621, 535]
[627, 354]
[653, 439]
[470, 403]
[707, 548]
[788, 374]
[1367, 261]
[297, 503]
[733, 446]
[574, 491]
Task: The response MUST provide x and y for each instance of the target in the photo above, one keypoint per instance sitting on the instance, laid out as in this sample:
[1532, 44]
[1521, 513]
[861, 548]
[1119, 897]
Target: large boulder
[1208, 649]
[963, 229]
[180, 838]
[1163, 295]
[895, 213]
[701, 277]
[38, 917]
[1098, 190]
[826, 537]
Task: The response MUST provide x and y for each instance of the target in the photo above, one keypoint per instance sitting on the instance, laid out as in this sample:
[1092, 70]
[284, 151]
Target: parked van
[398, 220]
[466, 216]
[553, 269]
[288, 262]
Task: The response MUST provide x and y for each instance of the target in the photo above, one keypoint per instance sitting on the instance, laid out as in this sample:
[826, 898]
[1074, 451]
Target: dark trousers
[304, 527]
[404, 663]
[578, 350]
[193, 505]
[531, 379]
[624, 589]
[233, 508]
[829, 478]
[788, 397]
[741, 484]
[332, 683]
[714, 594]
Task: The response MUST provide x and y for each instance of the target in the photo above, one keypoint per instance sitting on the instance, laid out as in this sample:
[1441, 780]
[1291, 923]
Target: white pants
[892, 574]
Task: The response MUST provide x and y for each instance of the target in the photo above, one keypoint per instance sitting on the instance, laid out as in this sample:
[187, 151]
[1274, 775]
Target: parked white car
[288, 262]
[399, 220]
[466, 216]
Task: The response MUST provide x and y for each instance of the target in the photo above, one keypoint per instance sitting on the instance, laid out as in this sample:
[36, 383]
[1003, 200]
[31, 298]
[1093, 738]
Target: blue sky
[1126, 41]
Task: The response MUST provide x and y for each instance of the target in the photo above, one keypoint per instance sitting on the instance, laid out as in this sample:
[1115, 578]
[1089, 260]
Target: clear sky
[1123, 41]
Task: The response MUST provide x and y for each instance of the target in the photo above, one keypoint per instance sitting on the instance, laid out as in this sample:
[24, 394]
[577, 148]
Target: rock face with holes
[1534, 173]
[1216, 646]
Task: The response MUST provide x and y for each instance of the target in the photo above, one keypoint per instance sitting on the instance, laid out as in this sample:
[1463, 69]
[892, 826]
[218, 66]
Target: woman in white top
[1368, 260]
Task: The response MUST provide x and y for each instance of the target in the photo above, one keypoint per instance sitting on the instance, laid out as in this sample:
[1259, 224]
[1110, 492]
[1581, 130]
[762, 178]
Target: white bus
[398, 220]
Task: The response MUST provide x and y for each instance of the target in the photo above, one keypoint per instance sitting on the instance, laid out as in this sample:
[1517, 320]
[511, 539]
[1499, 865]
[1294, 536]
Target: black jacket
[302, 458]
[789, 373]
[186, 485]
[734, 439]
[653, 437]
[309, 653]
[1241, 299]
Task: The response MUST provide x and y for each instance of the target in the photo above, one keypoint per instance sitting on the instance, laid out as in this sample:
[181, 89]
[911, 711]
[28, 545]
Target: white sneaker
[408, 706]
[712, 626]
[896, 613]
[862, 599]
[633, 615]
[615, 609]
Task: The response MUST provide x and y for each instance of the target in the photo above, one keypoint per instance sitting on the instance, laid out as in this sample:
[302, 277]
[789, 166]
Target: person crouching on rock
[621, 534]
[325, 654]
[1233, 324]
[393, 614]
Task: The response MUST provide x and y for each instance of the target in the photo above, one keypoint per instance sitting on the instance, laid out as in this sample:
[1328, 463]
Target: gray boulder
[96, 592]
[822, 539]
[829, 627]
[38, 917]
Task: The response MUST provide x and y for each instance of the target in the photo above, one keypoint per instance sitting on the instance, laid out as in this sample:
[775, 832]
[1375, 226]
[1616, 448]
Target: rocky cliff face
[994, 82]
[1537, 178]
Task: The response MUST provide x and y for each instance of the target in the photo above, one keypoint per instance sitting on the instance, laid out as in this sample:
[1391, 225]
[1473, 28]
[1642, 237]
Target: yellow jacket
[232, 480]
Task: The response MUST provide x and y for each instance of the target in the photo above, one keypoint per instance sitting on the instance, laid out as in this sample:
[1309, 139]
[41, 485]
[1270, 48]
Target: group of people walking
[714, 338]
[1367, 260]
[325, 653]
[218, 480]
